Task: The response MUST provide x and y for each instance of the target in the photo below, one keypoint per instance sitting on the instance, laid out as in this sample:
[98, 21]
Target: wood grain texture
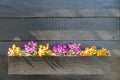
[60, 8]
[115, 65]
[29, 19]
[4, 73]
[92, 68]
[62, 77]
[3, 67]
[59, 65]
[60, 29]
[113, 46]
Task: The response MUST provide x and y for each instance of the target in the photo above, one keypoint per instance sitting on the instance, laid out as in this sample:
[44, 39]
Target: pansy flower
[60, 50]
[44, 50]
[74, 48]
[30, 46]
[94, 52]
[14, 51]
[103, 52]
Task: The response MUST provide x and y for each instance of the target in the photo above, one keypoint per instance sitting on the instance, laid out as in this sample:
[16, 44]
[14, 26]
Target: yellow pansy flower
[44, 50]
[94, 52]
[14, 51]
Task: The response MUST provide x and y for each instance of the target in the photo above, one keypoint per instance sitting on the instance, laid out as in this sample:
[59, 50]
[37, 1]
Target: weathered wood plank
[59, 65]
[115, 66]
[115, 76]
[62, 66]
[60, 29]
[75, 35]
[113, 46]
[63, 77]
[3, 67]
[60, 8]
[4, 74]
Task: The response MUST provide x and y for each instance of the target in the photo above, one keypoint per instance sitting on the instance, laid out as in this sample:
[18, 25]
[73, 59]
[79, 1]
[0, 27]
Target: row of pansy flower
[31, 48]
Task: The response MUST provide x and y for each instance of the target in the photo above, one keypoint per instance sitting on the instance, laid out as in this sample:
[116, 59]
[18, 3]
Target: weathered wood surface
[22, 20]
[103, 67]
[60, 8]
[113, 46]
[59, 65]
[3, 67]
[66, 77]
[114, 75]
[60, 29]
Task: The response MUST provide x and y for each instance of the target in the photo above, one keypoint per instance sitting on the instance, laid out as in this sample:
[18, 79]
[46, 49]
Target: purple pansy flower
[30, 46]
[74, 48]
[60, 50]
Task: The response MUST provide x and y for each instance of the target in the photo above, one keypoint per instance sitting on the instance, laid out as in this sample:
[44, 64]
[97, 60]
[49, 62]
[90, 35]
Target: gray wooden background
[92, 22]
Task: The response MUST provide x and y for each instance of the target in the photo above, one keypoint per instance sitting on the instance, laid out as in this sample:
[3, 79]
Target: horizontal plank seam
[51, 40]
[58, 17]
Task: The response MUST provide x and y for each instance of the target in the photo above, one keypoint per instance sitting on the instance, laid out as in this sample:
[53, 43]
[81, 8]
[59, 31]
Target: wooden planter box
[59, 65]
